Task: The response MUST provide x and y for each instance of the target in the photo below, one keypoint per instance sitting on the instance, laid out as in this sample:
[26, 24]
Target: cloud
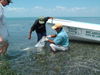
[14, 9]
[55, 11]
[16, 12]
[60, 7]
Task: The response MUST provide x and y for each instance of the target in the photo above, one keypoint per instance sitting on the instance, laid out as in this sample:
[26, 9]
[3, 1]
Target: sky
[55, 8]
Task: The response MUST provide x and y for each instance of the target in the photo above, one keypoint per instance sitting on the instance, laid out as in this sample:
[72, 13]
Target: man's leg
[1, 45]
[0, 50]
[39, 35]
[58, 48]
[44, 34]
[52, 46]
[4, 47]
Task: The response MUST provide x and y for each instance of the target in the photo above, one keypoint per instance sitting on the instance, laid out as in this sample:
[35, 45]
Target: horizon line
[51, 16]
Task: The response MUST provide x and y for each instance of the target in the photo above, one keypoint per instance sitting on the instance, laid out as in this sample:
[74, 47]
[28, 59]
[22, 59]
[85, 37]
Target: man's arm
[1, 12]
[50, 17]
[30, 32]
[52, 36]
[32, 29]
[46, 18]
[51, 41]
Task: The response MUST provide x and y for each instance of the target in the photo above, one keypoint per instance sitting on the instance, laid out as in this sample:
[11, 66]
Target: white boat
[80, 30]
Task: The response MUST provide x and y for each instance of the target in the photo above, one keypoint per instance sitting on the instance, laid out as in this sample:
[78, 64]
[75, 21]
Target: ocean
[82, 59]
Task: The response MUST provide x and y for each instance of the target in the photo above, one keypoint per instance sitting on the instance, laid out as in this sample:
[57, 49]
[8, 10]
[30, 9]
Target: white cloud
[14, 9]
[74, 9]
[60, 8]
[38, 7]
[56, 11]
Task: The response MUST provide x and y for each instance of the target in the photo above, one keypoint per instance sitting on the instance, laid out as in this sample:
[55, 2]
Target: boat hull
[80, 31]
[80, 34]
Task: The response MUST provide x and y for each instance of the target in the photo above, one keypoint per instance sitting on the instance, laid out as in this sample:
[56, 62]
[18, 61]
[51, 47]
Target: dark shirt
[39, 27]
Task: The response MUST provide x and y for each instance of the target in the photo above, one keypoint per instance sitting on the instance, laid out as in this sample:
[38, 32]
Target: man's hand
[29, 37]
[49, 36]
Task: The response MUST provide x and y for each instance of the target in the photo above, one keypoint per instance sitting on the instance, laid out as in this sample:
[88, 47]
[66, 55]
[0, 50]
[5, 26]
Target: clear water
[81, 59]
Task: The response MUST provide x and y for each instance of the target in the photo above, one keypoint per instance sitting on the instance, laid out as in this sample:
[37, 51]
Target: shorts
[40, 35]
[58, 48]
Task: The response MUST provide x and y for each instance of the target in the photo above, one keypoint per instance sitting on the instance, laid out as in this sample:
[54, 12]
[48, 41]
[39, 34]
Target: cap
[57, 26]
[41, 20]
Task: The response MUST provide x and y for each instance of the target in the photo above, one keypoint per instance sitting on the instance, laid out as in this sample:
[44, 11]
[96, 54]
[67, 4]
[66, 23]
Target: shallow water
[82, 59]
